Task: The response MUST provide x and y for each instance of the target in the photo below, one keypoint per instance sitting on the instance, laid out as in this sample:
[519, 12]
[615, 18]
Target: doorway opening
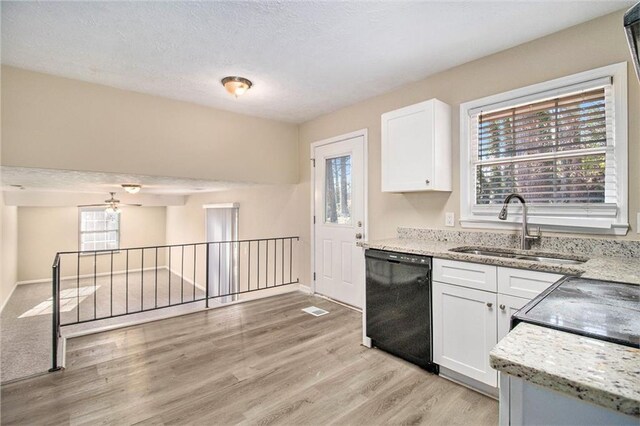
[222, 225]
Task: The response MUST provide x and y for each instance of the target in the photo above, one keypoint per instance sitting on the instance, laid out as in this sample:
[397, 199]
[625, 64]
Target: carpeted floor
[25, 342]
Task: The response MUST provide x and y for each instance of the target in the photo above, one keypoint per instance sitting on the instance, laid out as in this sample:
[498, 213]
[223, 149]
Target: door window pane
[338, 190]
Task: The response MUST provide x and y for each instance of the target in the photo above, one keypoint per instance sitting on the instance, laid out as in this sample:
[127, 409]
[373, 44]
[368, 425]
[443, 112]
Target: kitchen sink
[533, 257]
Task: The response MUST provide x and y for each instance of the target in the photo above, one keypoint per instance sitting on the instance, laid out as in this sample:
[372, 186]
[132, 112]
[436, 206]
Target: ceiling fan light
[132, 188]
[112, 210]
[236, 86]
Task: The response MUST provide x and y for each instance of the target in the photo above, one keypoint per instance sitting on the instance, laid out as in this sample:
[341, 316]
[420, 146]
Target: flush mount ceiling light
[131, 188]
[235, 85]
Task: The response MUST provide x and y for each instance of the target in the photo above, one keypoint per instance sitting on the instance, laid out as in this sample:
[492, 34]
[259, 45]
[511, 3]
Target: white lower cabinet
[464, 330]
[472, 309]
[507, 306]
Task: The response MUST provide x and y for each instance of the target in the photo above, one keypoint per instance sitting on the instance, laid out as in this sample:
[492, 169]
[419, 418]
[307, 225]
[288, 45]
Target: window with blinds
[552, 151]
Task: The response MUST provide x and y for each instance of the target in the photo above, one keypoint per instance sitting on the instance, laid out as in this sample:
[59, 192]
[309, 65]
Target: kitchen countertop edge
[546, 357]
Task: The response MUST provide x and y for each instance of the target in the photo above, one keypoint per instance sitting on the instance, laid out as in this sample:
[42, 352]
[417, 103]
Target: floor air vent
[316, 312]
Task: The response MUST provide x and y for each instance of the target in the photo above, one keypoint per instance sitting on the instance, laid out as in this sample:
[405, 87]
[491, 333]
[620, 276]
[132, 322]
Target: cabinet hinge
[314, 276]
[314, 219]
[313, 161]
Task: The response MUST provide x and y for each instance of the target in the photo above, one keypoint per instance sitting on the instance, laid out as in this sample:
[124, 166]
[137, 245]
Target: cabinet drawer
[524, 283]
[472, 275]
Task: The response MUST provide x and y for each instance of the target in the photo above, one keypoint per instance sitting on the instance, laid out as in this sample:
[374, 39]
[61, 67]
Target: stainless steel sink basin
[533, 257]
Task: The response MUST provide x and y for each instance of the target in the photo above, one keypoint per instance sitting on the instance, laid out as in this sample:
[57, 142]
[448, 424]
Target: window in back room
[98, 229]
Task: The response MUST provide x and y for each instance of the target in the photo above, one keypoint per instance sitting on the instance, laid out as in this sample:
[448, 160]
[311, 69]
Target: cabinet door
[507, 306]
[407, 148]
[464, 330]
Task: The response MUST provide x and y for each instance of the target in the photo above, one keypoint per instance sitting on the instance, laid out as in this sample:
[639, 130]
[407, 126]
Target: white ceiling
[49, 180]
[305, 58]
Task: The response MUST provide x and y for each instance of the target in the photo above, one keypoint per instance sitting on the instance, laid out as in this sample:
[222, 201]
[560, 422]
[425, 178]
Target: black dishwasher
[398, 316]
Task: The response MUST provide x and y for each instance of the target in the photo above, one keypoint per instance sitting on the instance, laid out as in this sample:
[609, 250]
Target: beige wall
[44, 231]
[58, 123]
[593, 44]
[265, 212]
[9, 257]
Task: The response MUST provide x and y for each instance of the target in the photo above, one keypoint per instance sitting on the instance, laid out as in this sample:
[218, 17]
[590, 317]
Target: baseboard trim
[75, 277]
[353, 308]
[4, 304]
[189, 281]
[468, 382]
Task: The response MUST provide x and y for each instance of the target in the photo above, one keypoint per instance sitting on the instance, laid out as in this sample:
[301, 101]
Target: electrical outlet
[450, 219]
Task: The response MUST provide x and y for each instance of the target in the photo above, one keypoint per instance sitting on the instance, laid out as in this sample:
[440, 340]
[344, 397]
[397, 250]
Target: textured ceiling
[305, 58]
[32, 179]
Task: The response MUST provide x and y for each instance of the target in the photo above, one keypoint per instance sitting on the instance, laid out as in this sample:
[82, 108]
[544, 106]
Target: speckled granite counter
[605, 374]
[624, 269]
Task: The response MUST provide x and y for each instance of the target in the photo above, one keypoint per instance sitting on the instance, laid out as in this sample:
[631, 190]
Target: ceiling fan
[111, 204]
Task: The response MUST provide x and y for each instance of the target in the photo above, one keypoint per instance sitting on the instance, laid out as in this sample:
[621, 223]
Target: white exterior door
[339, 206]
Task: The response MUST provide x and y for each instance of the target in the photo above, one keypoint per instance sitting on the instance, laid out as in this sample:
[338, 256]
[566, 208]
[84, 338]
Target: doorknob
[358, 236]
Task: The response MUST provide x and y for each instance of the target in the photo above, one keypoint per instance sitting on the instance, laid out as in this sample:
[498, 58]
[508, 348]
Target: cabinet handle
[502, 307]
[489, 304]
[427, 181]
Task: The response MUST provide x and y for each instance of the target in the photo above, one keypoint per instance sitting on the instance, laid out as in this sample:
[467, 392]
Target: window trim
[573, 218]
[80, 232]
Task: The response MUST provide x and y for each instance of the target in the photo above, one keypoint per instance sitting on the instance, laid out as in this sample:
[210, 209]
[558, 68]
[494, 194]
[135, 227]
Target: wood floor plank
[263, 362]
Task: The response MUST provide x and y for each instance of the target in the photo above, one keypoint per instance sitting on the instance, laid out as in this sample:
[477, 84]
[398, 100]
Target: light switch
[450, 219]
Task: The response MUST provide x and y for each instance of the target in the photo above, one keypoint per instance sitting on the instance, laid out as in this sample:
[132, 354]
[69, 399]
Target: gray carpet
[25, 343]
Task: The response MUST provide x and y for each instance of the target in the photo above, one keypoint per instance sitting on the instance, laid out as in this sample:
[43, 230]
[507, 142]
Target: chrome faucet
[526, 238]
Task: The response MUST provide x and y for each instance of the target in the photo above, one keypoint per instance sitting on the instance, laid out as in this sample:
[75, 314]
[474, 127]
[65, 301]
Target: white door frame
[312, 183]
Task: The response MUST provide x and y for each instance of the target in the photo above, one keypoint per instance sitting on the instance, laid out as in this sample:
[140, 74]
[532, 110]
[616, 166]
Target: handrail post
[207, 278]
[55, 321]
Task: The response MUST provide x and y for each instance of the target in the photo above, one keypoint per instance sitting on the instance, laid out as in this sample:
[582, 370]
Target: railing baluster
[249, 268]
[156, 283]
[126, 292]
[266, 264]
[195, 250]
[182, 277]
[258, 277]
[219, 269]
[236, 250]
[282, 270]
[275, 261]
[55, 317]
[290, 259]
[208, 261]
[78, 288]
[170, 273]
[142, 281]
[95, 268]
[111, 291]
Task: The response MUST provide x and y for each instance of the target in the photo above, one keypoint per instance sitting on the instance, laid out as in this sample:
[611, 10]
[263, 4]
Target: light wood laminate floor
[263, 362]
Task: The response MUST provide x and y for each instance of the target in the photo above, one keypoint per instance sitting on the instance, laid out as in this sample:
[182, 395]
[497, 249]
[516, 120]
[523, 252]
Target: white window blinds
[556, 148]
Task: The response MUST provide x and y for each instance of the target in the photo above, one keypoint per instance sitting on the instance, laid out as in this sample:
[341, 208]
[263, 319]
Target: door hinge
[314, 219]
[314, 276]
[313, 161]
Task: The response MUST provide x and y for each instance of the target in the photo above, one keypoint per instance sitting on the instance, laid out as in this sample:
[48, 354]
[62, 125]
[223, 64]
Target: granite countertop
[607, 374]
[623, 269]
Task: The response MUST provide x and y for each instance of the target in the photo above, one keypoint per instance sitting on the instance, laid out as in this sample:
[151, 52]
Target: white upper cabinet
[416, 148]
